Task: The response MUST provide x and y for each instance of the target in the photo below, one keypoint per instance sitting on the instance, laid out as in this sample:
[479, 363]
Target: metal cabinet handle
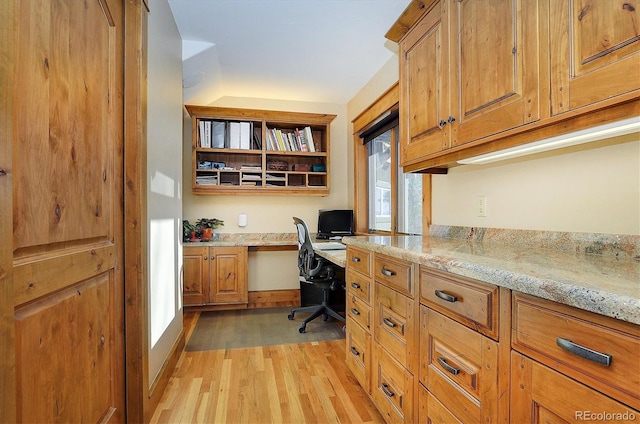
[355, 259]
[442, 123]
[385, 389]
[388, 272]
[585, 352]
[206, 258]
[452, 370]
[354, 311]
[388, 322]
[355, 285]
[213, 257]
[354, 351]
[451, 120]
[445, 296]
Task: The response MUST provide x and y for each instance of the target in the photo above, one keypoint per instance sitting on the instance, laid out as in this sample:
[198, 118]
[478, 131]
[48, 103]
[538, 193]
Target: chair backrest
[309, 263]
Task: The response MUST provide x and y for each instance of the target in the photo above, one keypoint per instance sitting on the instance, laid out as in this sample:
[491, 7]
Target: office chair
[317, 271]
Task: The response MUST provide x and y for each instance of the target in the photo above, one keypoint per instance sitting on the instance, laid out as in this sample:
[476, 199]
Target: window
[386, 200]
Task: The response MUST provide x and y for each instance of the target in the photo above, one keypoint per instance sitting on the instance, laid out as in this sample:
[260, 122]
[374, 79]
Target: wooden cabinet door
[228, 275]
[195, 289]
[66, 205]
[424, 86]
[541, 395]
[495, 63]
[595, 52]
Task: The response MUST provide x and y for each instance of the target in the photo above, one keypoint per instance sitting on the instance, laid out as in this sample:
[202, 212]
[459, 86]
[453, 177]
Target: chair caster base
[302, 329]
[290, 316]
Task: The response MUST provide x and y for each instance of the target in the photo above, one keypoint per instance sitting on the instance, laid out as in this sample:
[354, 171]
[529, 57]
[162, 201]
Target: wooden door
[496, 65]
[595, 52]
[424, 87]
[195, 289]
[228, 275]
[67, 210]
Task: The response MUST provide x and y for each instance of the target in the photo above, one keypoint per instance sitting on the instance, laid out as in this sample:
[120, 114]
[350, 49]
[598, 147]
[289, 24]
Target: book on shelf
[256, 139]
[308, 135]
[250, 168]
[245, 135]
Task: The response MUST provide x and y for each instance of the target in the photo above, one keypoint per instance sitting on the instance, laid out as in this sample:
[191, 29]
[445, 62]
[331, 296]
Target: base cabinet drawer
[391, 388]
[394, 325]
[581, 345]
[359, 260]
[358, 355]
[359, 311]
[395, 273]
[541, 395]
[459, 366]
[432, 411]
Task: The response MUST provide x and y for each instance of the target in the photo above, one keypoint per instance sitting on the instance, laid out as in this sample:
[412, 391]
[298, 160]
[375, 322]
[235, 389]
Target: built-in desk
[338, 257]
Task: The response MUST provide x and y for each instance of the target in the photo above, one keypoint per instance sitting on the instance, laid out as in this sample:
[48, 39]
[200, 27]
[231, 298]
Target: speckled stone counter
[249, 239]
[595, 272]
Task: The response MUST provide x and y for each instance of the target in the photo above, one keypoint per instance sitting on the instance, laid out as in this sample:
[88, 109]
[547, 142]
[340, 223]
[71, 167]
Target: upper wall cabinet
[595, 52]
[479, 76]
[258, 152]
[462, 74]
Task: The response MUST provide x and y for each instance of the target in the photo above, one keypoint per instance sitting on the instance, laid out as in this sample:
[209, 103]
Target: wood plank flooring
[295, 383]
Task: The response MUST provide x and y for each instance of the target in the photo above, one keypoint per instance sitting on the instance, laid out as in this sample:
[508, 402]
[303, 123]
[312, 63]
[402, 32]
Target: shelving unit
[258, 168]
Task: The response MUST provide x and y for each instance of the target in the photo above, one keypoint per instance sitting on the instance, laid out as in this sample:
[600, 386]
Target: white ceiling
[304, 50]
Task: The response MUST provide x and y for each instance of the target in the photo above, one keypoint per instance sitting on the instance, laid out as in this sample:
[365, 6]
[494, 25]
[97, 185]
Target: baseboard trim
[162, 379]
[274, 298]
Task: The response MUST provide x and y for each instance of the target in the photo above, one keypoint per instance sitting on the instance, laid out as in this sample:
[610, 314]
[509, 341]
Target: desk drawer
[359, 285]
[459, 366]
[394, 273]
[358, 355]
[392, 388]
[541, 326]
[359, 260]
[472, 303]
[359, 311]
[395, 325]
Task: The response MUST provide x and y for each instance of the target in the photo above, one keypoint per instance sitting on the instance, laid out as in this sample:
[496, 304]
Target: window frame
[384, 103]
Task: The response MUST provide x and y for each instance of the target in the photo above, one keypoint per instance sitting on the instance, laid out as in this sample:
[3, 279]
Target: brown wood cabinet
[595, 53]
[359, 284]
[468, 70]
[248, 151]
[215, 275]
[477, 76]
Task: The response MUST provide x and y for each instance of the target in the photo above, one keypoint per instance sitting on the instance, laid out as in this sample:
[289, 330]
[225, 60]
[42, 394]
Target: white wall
[164, 183]
[594, 190]
[272, 214]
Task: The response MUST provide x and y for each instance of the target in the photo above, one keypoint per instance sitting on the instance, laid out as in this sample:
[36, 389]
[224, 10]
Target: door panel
[68, 211]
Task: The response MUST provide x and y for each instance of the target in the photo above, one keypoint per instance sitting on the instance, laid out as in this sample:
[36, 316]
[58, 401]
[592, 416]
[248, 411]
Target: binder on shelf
[218, 132]
[234, 135]
[245, 135]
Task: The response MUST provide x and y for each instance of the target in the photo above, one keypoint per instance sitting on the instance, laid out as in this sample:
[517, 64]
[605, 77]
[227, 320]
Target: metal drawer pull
[385, 389]
[444, 296]
[389, 322]
[355, 259]
[387, 272]
[584, 352]
[452, 370]
[355, 285]
[354, 351]
[354, 311]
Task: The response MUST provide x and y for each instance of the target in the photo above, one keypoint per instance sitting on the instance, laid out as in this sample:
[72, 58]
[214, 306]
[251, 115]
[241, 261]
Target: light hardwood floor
[295, 383]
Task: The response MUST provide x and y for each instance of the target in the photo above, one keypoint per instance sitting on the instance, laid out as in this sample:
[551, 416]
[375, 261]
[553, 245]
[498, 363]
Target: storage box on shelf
[252, 151]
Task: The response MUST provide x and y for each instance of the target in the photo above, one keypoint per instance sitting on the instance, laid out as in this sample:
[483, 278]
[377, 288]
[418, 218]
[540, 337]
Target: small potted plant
[207, 225]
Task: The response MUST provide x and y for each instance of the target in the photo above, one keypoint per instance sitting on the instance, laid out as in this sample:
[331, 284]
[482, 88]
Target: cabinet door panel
[196, 276]
[424, 95]
[228, 275]
[595, 52]
[496, 60]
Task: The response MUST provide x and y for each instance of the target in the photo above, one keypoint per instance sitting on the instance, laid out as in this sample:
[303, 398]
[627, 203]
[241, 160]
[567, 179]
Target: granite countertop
[595, 272]
[248, 239]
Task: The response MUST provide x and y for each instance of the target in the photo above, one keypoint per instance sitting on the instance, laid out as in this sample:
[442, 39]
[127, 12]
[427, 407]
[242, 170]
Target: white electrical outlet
[482, 206]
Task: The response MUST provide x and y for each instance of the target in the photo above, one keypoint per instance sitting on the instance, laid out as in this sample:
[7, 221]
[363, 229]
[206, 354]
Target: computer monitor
[335, 223]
